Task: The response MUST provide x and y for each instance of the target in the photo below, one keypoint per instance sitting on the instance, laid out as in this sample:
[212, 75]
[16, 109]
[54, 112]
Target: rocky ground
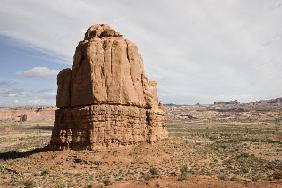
[208, 146]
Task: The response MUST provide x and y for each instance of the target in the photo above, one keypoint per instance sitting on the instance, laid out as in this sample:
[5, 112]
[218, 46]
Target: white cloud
[39, 72]
[21, 97]
[14, 92]
[199, 50]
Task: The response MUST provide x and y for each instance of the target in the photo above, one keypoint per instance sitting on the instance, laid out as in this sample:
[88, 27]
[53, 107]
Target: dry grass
[228, 149]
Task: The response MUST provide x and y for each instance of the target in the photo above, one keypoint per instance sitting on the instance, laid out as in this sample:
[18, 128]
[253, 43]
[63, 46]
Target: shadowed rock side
[106, 99]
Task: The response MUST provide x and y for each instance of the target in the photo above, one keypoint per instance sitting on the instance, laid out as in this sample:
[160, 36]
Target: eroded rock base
[96, 126]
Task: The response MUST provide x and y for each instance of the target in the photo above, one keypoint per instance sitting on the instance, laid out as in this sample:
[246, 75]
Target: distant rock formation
[228, 102]
[30, 114]
[23, 117]
[106, 99]
[271, 101]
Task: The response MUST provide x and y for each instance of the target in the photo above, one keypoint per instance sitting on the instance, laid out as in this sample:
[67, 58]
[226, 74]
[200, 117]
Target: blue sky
[197, 51]
[19, 84]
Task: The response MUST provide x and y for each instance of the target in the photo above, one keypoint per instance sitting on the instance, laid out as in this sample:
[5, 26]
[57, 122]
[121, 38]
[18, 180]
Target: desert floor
[218, 150]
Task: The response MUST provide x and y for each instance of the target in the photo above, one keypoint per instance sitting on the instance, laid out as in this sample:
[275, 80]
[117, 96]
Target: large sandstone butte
[106, 99]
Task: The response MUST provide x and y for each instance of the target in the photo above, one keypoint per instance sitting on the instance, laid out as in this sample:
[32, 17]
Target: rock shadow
[21, 154]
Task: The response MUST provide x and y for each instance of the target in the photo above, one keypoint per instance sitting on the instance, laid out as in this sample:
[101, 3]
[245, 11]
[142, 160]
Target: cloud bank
[39, 72]
[198, 51]
[21, 97]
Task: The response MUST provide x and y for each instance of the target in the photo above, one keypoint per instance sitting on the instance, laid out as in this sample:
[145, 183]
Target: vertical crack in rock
[128, 59]
[106, 100]
[103, 69]
[111, 60]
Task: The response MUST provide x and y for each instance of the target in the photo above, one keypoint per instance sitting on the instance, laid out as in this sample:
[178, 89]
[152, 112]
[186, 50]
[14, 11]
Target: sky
[197, 50]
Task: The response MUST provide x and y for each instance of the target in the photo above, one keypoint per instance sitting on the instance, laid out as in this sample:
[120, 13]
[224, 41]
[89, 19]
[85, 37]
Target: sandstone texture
[106, 98]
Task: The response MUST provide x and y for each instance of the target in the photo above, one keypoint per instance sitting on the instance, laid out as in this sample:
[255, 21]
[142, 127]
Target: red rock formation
[106, 99]
[34, 114]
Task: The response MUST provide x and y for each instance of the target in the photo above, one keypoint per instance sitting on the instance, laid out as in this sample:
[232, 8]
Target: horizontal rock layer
[97, 126]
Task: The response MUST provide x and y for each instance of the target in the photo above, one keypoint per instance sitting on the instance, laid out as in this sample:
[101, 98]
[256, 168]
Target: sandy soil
[218, 152]
[194, 182]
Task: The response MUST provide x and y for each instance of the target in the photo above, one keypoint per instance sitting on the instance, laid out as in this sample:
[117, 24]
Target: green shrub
[277, 175]
[60, 184]
[183, 172]
[106, 181]
[244, 170]
[223, 177]
[44, 173]
[245, 155]
[235, 178]
[154, 172]
[29, 184]
[2, 167]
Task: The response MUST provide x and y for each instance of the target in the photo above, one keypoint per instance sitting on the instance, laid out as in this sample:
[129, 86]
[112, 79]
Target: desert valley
[136, 94]
[222, 145]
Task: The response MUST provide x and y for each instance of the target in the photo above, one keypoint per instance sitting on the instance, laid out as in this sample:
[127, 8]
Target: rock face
[106, 99]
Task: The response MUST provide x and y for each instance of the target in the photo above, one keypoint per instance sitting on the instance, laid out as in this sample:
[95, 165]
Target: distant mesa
[271, 101]
[106, 98]
[227, 102]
